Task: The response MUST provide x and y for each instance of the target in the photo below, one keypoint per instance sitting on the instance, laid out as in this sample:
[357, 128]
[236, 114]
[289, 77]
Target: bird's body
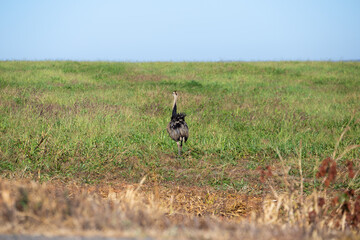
[177, 127]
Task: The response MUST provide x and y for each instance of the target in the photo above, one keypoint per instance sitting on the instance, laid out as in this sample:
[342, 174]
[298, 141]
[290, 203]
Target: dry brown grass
[55, 208]
[325, 209]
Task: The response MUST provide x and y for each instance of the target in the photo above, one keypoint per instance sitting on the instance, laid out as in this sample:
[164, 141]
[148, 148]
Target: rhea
[177, 127]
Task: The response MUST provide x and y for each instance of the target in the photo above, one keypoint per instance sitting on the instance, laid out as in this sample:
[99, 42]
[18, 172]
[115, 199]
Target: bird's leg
[179, 148]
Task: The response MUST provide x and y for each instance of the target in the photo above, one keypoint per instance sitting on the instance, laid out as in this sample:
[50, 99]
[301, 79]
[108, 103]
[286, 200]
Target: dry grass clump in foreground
[32, 208]
[325, 208]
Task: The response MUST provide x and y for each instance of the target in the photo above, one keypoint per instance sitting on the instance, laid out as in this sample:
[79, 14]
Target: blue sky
[140, 30]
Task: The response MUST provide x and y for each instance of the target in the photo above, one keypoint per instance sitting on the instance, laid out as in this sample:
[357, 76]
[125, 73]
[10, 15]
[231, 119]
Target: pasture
[104, 124]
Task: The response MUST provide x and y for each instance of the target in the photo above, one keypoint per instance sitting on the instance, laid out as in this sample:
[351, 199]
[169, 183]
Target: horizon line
[171, 61]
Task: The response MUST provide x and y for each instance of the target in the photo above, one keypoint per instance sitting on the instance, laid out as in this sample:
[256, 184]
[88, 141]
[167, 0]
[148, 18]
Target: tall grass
[100, 120]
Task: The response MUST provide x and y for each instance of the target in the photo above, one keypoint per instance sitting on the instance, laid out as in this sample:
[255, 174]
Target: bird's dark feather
[178, 128]
[178, 117]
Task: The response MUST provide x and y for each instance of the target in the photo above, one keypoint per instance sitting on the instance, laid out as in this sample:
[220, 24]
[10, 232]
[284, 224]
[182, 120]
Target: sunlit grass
[99, 120]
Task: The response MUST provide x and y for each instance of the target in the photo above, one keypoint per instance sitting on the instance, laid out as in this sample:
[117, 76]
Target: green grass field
[103, 121]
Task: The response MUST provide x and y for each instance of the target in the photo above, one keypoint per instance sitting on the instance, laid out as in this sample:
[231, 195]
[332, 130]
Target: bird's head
[174, 94]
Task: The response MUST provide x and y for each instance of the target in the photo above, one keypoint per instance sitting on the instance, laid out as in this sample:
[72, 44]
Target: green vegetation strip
[96, 121]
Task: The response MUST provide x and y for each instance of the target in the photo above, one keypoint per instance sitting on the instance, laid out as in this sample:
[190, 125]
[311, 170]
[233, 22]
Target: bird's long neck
[174, 107]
